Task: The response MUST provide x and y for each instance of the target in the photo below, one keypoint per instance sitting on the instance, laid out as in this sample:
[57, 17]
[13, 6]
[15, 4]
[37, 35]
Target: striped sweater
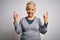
[30, 31]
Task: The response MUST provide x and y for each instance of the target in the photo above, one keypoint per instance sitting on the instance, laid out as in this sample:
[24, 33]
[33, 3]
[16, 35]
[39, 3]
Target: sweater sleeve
[18, 28]
[42, 27]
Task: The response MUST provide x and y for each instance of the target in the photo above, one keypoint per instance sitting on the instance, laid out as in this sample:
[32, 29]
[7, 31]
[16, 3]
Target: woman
[30, 26]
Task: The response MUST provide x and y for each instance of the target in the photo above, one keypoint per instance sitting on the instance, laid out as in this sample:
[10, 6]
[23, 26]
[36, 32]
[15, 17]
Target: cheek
[33, 11]
[27, 11]
[30, 11]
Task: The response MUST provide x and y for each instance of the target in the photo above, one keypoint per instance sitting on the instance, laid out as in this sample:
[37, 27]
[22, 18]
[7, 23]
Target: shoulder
[22, 19]
[37, 18]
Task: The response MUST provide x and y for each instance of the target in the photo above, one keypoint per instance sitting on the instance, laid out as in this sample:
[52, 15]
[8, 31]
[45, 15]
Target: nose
[30, 10]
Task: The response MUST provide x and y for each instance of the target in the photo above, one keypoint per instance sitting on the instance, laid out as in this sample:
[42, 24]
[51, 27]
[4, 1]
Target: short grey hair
[30, 2]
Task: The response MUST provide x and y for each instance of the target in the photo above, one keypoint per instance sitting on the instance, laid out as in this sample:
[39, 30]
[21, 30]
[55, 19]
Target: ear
[35, 9]
[26, 8]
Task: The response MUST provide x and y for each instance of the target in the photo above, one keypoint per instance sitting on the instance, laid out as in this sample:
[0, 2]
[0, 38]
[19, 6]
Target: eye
[28, 9]
[32, 9]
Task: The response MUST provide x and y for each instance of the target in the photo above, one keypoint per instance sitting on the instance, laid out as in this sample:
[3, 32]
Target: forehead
[30, 6]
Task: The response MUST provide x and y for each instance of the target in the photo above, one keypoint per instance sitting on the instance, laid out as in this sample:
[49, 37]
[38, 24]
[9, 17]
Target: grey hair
[31, 2]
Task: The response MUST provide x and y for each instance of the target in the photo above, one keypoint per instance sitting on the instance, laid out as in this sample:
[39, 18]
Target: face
[30, 10]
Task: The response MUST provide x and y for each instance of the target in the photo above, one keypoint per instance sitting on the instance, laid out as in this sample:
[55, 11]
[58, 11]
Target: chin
[30, 15]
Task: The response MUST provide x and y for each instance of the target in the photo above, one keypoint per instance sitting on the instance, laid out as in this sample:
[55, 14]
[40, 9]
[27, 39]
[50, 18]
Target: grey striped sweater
[30, 31]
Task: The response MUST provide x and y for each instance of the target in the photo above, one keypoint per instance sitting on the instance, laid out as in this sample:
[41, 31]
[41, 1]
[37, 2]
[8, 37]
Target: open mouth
[30, 14]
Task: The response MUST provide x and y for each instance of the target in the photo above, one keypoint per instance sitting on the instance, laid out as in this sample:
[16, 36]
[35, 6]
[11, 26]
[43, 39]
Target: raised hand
[45, 17]
[15, 16]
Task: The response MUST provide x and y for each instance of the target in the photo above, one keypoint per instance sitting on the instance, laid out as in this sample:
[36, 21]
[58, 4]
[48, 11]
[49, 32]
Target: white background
[7, 7]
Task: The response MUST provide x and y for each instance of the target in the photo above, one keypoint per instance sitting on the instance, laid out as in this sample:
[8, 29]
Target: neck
[30, 18]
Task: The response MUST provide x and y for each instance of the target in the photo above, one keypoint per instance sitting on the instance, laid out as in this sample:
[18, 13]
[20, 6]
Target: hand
[15, 16]
[45, 17]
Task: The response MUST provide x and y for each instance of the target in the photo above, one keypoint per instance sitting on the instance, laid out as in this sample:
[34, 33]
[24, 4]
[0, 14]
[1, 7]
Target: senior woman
[30, 26]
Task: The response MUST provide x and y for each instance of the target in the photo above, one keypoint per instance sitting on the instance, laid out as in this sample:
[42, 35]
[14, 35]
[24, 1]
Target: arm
[18, 28]
[16, 24]
[43, 28]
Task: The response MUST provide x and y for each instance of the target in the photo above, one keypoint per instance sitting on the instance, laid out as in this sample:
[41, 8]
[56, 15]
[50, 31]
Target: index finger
[46, 13]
